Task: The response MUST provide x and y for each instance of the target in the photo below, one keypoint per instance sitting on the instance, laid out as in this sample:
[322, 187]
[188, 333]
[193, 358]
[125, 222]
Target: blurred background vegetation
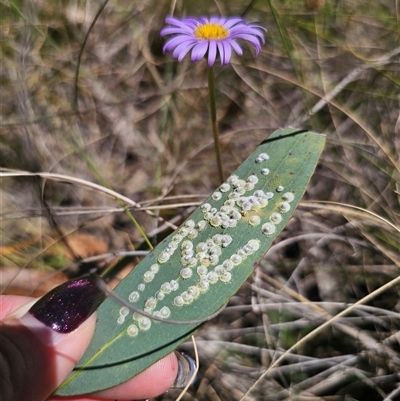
[88, 98]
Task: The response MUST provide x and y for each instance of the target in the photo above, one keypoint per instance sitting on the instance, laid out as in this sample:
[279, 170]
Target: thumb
[41, 342]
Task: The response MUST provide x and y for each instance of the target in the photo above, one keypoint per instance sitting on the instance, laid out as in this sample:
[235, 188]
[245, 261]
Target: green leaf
[194, 272]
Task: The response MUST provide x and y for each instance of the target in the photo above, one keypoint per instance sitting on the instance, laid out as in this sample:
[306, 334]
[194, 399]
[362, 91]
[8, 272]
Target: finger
[41, 342]
[150, 383]
[9, 303]
[34, 361]
[38, 357]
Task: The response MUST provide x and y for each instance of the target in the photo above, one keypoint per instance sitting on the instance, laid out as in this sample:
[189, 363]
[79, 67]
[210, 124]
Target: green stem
[107, 185]
[213, 112]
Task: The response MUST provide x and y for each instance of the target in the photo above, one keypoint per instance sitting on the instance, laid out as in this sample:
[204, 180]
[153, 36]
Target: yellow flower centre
[211, 32]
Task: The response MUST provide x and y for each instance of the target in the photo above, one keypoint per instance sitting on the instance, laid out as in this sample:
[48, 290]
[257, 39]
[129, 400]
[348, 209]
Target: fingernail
[67, 306]
[186, 370]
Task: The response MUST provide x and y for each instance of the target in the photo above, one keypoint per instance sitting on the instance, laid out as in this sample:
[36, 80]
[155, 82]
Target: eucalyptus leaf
[195, 271]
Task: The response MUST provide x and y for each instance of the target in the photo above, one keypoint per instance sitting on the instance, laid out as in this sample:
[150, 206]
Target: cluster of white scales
[243, 202]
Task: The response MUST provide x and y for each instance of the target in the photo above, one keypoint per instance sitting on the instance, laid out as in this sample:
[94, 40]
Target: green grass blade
[194, 271]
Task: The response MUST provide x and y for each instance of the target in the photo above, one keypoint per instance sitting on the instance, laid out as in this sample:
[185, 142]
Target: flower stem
[213, 112]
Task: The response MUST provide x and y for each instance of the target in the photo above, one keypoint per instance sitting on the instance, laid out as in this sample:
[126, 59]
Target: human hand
[41, 342]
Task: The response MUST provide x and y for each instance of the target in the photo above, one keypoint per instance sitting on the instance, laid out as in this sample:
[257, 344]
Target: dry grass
[137, 122]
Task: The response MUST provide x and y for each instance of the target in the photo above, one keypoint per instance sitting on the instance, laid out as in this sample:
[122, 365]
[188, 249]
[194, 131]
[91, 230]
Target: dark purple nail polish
[67, 306]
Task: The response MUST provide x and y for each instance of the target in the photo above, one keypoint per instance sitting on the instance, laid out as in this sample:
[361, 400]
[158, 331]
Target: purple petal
[255, 32]
[246, 29]
[235, 46]
[232, 21]
[199, 50]
[191, 21]
[249, 30]
[181, 51]
[212, 53]
[174, 42]
[173, 21]
[179, 24]
[217, 20]
[259, 27]
[204, 20]
[253, 40]
[172, 31]
[227, 52]
[221, 50]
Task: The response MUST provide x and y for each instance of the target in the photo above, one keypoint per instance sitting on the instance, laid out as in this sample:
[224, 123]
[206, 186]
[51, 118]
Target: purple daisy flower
[213, 35]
